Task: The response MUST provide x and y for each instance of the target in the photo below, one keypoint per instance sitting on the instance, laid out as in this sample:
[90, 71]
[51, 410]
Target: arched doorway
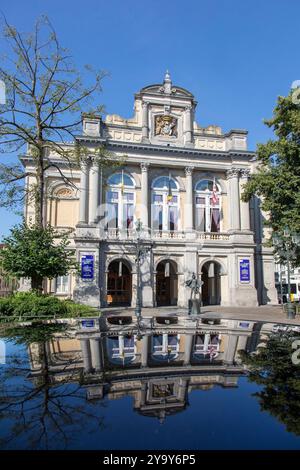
[119, 284]
[211, 288]
[166, 283]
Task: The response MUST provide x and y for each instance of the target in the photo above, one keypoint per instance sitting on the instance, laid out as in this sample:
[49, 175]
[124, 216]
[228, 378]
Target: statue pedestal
[194, 307]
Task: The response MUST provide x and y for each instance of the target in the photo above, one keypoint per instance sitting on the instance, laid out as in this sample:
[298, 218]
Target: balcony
[130, 234]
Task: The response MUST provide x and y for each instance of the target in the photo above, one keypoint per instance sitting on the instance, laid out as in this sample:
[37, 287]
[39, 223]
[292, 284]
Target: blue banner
[244, 270]
[88, 323]
[87, 267]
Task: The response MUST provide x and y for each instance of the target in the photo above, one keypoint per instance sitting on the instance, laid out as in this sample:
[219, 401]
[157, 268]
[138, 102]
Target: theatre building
[183, 182]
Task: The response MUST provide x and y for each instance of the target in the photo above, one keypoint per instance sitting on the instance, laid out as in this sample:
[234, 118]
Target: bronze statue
[195, 285]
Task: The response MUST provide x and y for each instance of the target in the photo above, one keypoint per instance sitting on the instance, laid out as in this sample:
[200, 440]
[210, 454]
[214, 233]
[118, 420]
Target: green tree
[273, 370]
[45, 96]
[37, 252]
[277, 180]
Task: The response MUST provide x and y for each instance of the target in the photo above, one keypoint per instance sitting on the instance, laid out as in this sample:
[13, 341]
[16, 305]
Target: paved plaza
[266, 313]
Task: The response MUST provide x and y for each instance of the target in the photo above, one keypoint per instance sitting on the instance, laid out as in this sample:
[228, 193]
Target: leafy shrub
[32, 304]
[79, 310]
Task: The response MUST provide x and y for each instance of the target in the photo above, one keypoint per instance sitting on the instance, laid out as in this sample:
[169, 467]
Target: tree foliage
[37, 252]
[272, 368]
[45, 95]
[277, 180]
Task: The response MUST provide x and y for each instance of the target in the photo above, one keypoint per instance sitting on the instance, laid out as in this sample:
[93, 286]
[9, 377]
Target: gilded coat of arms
[165, 125]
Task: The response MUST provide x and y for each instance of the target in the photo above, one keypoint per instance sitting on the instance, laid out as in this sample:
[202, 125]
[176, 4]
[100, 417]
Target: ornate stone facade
[184, 182]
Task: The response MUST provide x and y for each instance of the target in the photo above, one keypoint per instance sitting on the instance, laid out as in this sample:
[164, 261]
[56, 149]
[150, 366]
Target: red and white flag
[214, 199]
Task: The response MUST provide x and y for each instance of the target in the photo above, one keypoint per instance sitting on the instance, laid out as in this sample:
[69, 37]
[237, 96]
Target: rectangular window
[112, 196]
[173, 218]
[128, 197]
[215, 220]
[158, 198]
[112, 215]
[200, 200]
[157, 222]
[200, 219]
[128, 211]
[62, 285]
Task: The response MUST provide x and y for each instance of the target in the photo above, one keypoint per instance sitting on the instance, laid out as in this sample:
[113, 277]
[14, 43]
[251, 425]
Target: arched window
[207, 206]
[165, 204]
[120, 200]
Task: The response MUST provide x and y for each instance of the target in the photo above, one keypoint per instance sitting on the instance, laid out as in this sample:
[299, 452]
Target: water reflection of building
[157, 364]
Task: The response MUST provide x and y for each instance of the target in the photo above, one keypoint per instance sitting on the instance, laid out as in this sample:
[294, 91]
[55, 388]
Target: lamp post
[286, 244]
[141, 252]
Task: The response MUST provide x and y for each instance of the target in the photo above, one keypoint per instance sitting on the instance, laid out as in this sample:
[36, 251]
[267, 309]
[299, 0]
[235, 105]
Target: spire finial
[167, 76]
[167, 83]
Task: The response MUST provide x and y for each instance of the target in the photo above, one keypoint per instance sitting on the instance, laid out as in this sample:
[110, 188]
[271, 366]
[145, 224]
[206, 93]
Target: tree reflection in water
[41, 410]
[272, 368]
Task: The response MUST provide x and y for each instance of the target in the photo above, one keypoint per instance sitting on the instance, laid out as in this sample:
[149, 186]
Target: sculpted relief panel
[165, 126]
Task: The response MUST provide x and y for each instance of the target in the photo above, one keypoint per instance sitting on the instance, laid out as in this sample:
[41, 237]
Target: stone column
[187, 349]
[188, 124]
[231, 349]
[245, 210]
[143, 393]
[96, 354]
[86, 354]
[145, 128]
[234, 193]
[188, 215]
[144, 195]
[94, 192]
[144, 352]
[84, 189]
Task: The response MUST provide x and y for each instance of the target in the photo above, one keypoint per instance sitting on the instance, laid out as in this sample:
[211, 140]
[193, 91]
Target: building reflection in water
[158, 363]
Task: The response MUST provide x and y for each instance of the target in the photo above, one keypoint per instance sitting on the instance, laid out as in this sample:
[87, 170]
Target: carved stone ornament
[166, 126]
[232, 173]
[188, 170]
[64, 193]
[245, 173]
[144, 166]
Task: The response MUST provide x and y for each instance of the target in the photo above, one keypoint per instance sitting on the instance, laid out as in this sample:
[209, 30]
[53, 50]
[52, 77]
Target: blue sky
[235, 56]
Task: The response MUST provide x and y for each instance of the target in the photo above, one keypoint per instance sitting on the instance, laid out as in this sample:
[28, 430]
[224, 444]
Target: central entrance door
[166, 284]
[119, 284]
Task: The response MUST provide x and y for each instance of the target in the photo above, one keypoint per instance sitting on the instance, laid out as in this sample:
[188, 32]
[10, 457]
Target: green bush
[32, 304]
[79, 310]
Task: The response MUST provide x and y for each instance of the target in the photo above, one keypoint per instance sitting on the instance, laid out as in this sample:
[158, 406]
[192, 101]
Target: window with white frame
[207, 344]
[62, 284]
[121, 349]
[165, 346]
[207, 206]
[165, 204]
[120, 201]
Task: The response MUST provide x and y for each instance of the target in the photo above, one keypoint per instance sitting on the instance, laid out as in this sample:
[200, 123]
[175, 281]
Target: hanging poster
[87, 267]
[244, 270]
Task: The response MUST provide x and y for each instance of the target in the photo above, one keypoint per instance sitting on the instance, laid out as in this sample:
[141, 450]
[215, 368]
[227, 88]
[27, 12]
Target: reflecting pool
[161, 383]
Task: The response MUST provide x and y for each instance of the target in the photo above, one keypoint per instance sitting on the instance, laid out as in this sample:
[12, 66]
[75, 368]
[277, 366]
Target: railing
[212, 236]
[168, 234]
[129, 234]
